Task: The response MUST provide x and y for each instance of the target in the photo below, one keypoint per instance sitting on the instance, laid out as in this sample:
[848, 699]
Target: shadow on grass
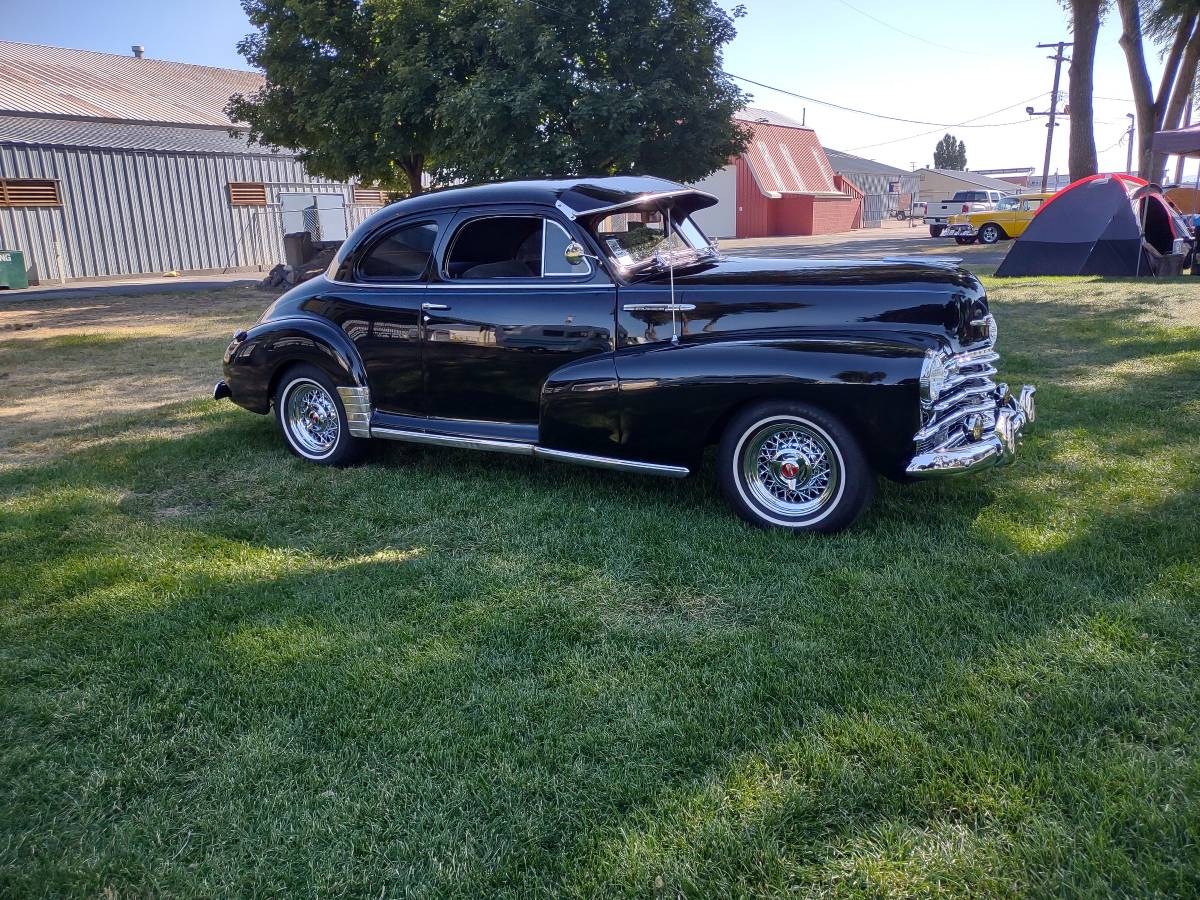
[228, 672]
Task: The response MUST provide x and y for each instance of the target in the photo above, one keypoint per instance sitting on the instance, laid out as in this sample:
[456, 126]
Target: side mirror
[574, 253]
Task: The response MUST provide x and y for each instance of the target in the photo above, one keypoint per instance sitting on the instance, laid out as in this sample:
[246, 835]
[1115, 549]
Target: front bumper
[969, 450]
[958, 231]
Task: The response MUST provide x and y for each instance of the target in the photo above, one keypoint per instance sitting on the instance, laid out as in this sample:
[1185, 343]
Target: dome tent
[1099, 225]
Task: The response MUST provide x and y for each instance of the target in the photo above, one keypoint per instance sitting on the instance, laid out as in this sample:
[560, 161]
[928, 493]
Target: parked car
[591, 321]
[938, 213]
[1008, 220]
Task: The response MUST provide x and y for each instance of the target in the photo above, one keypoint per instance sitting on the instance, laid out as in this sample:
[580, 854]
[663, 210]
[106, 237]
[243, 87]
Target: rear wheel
[313, 420]
[936, 230]
[793, 466]
[990, 233]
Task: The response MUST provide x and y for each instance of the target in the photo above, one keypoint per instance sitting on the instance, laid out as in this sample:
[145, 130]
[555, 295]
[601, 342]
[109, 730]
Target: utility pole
[1059, 59]
[1129, 149]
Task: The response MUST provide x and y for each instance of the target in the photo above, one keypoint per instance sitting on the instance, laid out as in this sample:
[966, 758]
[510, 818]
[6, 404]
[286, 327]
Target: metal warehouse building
[122, 165]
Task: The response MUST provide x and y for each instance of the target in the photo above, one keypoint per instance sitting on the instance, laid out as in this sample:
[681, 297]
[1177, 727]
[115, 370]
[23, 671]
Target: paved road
[893, 239]
[110, 288]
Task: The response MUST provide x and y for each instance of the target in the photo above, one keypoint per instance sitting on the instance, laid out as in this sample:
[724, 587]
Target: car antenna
[671, 277]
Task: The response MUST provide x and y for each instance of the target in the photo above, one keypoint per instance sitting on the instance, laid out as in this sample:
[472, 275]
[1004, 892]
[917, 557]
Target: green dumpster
[12, 269]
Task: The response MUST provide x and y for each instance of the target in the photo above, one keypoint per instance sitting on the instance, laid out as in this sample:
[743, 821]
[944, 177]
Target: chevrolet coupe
[591, 321]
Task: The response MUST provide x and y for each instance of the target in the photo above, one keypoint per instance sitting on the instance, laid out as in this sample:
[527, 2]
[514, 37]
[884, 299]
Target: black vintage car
[591, 321]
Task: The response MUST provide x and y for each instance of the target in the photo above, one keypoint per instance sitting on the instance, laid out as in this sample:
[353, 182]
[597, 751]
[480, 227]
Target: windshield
[638, 236]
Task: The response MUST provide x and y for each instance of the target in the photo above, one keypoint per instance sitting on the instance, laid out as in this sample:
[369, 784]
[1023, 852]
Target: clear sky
[941, 61]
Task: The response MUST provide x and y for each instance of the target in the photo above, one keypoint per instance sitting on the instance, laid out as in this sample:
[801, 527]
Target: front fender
[251, 364]
[676, 399]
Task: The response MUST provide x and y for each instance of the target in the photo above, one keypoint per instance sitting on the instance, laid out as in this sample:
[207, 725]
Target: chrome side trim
[520, 449]
[460, 442]
[357, 401]
[659, 307]
[607, 462]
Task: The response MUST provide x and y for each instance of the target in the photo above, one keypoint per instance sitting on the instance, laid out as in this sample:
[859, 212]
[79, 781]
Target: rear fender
[675, 400]
[253, 364]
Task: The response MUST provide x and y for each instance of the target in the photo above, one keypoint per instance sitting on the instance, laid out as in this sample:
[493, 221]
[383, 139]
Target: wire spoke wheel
[790, 469]
[311, 418]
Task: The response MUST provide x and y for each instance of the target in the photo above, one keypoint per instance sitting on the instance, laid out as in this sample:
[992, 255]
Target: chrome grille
[968, 391]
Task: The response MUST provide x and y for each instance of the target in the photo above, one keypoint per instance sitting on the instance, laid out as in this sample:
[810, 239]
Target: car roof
[581, 195]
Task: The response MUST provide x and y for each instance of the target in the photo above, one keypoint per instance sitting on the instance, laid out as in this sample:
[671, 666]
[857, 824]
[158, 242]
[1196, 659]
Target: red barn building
[781, 185]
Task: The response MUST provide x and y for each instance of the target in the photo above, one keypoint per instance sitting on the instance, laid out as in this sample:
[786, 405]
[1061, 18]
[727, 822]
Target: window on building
[247, 193]
[29, 192]
[400, 255]
[368, 196]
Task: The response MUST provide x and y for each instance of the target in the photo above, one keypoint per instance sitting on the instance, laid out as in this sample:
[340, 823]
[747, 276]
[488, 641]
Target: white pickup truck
[937, 214]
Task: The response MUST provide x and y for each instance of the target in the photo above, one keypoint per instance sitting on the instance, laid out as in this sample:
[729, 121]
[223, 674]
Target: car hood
[739, 294]
[748, 270]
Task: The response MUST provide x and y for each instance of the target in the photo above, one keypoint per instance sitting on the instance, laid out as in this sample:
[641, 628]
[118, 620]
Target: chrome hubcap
[312, 418]
[790, 469]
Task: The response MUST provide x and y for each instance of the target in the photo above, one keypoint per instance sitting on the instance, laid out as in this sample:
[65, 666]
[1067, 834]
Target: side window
[1029, 205]
[511, 247]
[554, 248]
[400, 255]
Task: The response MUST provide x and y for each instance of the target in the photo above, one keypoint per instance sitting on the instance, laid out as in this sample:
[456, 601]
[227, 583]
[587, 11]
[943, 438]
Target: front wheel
[313, 420]
[990, 234]
[793, 466]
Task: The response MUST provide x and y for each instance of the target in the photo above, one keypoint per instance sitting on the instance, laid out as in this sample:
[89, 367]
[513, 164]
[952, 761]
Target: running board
[522, 449]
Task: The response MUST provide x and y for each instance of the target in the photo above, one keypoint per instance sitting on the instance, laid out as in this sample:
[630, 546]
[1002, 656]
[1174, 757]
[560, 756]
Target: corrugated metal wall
[132, 212]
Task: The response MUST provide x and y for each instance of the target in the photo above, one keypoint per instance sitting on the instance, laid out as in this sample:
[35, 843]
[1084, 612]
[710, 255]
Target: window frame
[543, 278]
[356, 273]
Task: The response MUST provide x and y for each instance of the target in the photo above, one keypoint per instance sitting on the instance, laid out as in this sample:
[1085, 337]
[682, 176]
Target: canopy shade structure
[1180, 142]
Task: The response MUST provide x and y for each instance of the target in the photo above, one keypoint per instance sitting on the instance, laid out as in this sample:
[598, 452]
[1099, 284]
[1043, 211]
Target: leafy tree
[1174, 25]
[950, 153]
[340, 90]
[581, 86]
[387, 90]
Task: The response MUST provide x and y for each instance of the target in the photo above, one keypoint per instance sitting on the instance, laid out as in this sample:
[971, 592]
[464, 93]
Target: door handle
[428, 306]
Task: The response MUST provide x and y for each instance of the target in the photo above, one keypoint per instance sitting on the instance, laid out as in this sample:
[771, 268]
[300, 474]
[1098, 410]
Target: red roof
[786, 160]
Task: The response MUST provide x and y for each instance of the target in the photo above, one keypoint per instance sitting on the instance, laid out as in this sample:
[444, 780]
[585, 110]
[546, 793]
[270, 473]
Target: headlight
[933, 376]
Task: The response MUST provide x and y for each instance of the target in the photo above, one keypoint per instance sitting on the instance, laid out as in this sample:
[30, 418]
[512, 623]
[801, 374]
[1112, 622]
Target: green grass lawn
[224, 672]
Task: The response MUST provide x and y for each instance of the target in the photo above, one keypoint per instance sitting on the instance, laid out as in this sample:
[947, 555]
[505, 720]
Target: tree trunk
[414, 169]
[1139, 80]
[1085, 19]
[1181, 95]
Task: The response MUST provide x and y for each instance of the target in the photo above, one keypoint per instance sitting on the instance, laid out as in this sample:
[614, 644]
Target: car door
[1021, 221]
[504, 310]
[376, 298]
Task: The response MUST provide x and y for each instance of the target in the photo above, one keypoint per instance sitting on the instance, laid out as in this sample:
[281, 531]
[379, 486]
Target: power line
[963, 124]
[863, 112]
[915, 37]
[816, 100]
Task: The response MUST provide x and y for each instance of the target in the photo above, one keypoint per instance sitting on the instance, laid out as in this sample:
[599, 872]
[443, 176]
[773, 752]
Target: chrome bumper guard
[958, 231]
[969, 452]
